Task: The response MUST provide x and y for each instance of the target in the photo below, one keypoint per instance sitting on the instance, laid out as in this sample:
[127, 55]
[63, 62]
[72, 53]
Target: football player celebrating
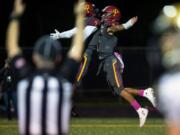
[106, 41]
[91, 25]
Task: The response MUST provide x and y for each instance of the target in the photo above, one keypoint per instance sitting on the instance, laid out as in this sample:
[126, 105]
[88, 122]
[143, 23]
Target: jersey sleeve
[88, 30]
[69, 69]
[68, 33]
[20, 67]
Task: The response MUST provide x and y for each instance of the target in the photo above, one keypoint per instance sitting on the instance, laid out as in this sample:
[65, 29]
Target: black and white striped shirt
[44, 98]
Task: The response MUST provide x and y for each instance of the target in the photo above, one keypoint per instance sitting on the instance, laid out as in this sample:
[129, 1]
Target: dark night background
[43, 16]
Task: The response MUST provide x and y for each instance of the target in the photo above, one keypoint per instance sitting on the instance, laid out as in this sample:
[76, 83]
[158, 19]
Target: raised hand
[55, 35]
[79, 8]
[130, 22]
[19, 8]
[134, 20]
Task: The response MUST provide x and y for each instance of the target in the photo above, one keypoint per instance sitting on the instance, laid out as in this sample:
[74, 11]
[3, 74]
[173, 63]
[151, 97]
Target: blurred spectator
[8, 89]
[167, 25]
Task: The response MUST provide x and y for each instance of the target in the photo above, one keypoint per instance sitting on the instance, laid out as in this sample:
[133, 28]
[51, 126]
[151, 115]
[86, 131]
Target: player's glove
[55, 35]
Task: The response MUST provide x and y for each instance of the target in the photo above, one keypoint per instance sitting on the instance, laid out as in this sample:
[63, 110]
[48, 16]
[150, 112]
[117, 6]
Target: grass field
[100, 126]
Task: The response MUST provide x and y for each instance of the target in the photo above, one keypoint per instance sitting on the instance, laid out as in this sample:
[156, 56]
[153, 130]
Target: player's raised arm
[124, 26]
[77, 45]
[13, 29]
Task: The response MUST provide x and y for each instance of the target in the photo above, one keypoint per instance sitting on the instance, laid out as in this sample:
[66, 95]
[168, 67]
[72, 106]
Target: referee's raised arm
[78, 45]
[13, 29]
[70, 67]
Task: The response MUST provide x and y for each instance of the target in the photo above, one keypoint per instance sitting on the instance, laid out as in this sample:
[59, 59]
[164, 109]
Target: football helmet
[111, 14]
[89, 9]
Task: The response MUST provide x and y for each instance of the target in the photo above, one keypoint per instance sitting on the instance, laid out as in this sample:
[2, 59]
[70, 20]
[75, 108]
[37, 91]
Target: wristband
[15, 17]
[128, 24]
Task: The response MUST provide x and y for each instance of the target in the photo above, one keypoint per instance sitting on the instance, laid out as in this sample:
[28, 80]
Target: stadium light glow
[178, 21]
[170, 11]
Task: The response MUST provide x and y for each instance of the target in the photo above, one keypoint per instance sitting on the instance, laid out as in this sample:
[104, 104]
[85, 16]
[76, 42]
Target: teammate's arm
[124, 26]
[13, 30]
[88, 30]
[77, 45]
[65, 34]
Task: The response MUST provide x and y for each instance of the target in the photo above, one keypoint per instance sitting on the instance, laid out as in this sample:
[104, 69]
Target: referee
[44, 94]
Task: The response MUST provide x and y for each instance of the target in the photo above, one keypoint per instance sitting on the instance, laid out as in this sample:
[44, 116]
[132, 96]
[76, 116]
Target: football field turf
[100, 126]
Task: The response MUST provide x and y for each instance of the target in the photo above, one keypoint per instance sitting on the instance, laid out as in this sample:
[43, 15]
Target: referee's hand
[78, 9]
[19, 8]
